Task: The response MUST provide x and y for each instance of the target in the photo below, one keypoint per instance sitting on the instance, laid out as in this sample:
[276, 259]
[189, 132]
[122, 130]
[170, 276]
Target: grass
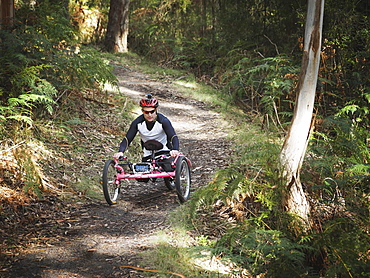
[176, 252]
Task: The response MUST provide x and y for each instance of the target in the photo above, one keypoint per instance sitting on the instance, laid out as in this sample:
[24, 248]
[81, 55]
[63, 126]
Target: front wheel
[111, 186]
[182, 179]
[170, 183]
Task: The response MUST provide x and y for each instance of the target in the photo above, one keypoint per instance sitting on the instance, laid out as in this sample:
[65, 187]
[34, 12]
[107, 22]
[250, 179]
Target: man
[151, 125]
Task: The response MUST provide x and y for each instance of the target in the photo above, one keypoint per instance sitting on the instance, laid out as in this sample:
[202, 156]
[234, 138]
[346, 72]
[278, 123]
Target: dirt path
[97, 240]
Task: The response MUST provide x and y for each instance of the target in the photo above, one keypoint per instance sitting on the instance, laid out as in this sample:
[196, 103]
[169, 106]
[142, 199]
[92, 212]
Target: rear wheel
[170, 183]
[182, 179]
[111, 186]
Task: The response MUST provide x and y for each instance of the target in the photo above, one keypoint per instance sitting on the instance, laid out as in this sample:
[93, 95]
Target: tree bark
[117, 29]
[295, 145]
[6, 13]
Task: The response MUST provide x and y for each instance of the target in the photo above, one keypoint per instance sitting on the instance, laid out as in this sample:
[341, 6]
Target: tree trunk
[295, 145]
[6, 13]
[117, 29]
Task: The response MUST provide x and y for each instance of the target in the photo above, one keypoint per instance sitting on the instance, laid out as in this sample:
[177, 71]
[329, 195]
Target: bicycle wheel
[182, 179]
[110, 187]
[170, 183]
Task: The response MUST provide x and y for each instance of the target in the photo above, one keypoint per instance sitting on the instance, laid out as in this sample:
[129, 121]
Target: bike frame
[155, 172]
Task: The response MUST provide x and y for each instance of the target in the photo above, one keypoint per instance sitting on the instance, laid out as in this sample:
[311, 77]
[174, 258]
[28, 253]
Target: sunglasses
[149, 112]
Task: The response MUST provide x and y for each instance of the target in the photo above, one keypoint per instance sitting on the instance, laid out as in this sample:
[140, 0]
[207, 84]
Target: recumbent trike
[174, 171]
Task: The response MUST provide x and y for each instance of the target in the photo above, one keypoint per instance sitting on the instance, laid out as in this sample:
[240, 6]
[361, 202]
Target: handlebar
[162, 156]
[121, 158]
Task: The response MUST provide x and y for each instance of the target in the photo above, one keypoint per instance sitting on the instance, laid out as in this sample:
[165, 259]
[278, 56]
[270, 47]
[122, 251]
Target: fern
[343, 244]
[266, 252]
[357, 110]
[264, 85]
[20, 109]
[20, 118]
[34, 70]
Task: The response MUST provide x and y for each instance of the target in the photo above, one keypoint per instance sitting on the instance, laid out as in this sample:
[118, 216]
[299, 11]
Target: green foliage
[49, 18]
[336, 173]
[20, 109]
[220, 40]
[249, 184]
[42, 49]
[357, 110]
[80, 69]
[220, 188]
[339, 172]
[198, 34]
[22, 87]
[339, 248]
[266, 252]
[343, 245]
[21, 56]
[41, 66]
[34, 71]
[264, 85]
[339, 148]
[169, 259]
[31, 172]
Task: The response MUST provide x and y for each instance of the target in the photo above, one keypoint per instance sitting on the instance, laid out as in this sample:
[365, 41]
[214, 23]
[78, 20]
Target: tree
[295, 145]
[117, 29]
[6, 13]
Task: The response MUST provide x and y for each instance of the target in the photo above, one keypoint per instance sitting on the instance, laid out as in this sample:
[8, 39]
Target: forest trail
[97, 240]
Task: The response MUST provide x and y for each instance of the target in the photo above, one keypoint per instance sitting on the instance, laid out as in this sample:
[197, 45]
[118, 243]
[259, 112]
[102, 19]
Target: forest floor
[88, 238]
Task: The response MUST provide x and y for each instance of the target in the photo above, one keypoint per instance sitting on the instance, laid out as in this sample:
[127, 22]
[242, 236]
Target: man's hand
[118, 155]
[174, 153]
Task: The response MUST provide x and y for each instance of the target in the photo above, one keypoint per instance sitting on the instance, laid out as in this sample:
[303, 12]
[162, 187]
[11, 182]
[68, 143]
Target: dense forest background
[250, 51]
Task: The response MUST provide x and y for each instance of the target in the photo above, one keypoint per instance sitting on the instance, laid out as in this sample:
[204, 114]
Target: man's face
[150, 113]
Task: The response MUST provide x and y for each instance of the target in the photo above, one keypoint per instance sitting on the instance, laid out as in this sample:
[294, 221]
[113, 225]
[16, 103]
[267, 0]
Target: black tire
[170, 183]
[110, 187]
[182, 179]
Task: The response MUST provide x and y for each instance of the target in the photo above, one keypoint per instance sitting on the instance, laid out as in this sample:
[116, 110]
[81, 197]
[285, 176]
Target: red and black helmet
[149, 101]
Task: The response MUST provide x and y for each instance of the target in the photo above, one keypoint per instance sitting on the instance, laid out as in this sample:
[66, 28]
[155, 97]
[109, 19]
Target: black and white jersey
[160, 130]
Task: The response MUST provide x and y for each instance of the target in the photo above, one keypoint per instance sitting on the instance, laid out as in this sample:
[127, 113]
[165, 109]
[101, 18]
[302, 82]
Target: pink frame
[152, 175]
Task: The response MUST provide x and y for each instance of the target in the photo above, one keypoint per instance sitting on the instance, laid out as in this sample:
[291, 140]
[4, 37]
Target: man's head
[149, 106]
[149, 101]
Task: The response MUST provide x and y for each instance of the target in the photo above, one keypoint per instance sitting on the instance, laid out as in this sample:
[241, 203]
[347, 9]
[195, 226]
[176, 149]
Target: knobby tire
[110, 188]
[182, 179]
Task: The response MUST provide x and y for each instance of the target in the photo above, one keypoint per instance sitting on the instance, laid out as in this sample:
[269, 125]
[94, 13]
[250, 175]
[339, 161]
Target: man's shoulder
[162, 118]
[139, 120]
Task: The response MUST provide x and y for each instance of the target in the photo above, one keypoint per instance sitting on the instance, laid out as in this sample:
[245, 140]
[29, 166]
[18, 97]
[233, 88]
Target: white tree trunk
[295, 145]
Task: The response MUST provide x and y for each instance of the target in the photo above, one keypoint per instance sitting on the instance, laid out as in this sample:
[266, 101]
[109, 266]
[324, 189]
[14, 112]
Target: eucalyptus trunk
[295, 145]
[117, 29]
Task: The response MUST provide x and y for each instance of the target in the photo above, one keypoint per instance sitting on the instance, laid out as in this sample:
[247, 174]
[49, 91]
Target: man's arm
[172, 138]
[130, 135]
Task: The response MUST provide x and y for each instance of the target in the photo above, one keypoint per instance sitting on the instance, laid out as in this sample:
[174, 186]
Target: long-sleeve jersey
[161, 130]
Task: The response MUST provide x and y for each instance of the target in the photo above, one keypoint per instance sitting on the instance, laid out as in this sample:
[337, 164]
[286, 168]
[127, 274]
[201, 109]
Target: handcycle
[174, 171]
